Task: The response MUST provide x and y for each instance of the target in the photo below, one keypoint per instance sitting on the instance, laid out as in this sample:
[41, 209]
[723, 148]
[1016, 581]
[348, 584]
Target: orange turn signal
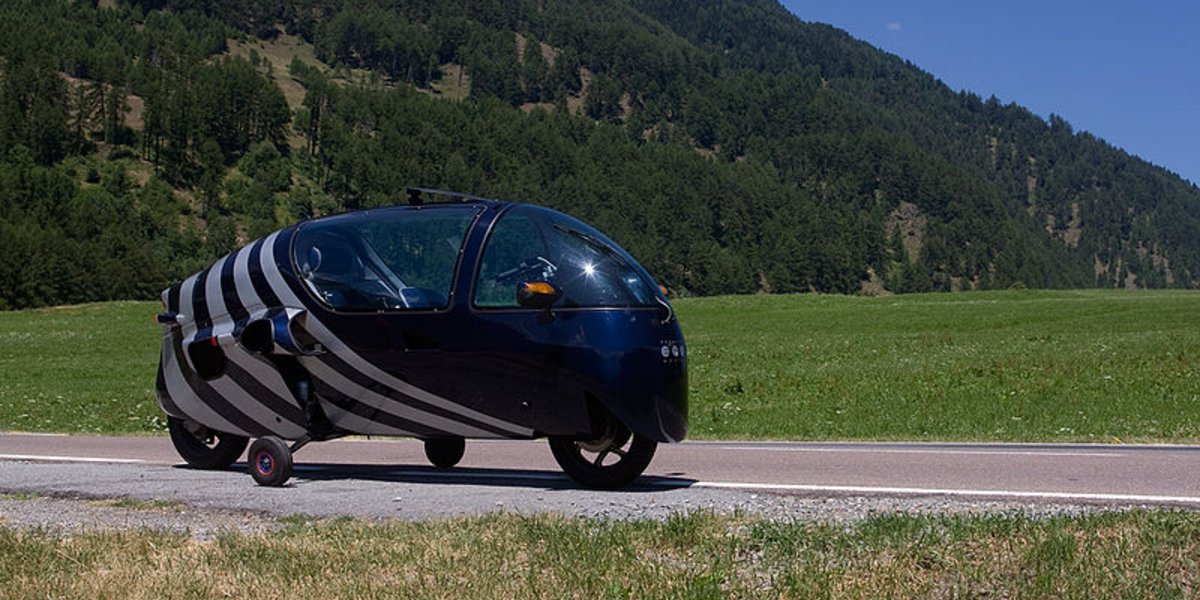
[539, 287]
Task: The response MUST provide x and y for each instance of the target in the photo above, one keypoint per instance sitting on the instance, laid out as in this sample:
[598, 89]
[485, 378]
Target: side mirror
[538, 295]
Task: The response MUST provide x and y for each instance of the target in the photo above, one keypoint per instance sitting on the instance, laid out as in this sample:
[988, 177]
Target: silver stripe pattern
[266, 375]
[335, 345]
[245, 289]
[362, 425]
[336, 380]
[186, 398]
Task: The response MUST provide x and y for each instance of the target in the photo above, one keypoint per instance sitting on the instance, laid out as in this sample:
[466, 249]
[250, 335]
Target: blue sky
[1129, 72]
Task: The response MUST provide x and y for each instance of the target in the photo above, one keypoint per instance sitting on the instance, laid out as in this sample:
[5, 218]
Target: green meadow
[80, 369]
[1056, 366]
[1090, 366]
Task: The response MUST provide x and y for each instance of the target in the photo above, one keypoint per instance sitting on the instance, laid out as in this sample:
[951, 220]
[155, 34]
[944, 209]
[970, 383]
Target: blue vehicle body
[276, 339]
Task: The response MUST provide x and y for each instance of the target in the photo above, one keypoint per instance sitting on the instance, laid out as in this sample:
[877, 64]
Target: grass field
[1092, 366]
[1023, 366]
[1133, 555]
[80, 369]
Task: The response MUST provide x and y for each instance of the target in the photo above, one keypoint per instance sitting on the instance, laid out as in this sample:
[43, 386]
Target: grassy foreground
[1024, 366]
[1133, 555]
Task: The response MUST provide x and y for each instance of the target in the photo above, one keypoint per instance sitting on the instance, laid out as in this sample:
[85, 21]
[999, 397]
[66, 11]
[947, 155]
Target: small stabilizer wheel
[613, 460]
[445, 452]
[204, 448]
[270, 461]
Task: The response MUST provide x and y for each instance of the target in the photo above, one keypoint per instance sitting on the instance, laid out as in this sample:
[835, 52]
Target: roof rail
[415, 199]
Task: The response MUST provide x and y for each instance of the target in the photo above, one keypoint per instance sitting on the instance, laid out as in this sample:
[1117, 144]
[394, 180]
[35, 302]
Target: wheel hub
[198, 431]
[265, 463]
[601, 443]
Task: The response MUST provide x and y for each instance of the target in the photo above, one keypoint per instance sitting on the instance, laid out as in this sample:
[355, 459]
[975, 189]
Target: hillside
[730, 146]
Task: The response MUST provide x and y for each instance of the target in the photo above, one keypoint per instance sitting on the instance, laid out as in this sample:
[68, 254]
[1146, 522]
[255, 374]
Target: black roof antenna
[414, 196]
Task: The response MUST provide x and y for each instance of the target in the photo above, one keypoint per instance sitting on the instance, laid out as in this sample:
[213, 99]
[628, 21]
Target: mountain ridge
[732, 146]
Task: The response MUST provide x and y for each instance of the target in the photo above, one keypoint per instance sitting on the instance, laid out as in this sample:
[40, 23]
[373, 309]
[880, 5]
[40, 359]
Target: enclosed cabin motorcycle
[446, 321]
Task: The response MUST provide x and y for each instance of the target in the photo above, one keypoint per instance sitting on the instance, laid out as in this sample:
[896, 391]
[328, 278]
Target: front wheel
[204, 448]
[613, 460]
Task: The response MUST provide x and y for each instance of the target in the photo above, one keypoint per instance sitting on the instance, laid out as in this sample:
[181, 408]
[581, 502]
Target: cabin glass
[401, 258]
[535, 244]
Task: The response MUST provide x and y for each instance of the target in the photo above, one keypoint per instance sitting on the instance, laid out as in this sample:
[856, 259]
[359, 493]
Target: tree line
[730, 146]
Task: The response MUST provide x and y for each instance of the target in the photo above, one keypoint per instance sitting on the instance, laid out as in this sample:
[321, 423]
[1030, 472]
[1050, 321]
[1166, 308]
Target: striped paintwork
[252, 398]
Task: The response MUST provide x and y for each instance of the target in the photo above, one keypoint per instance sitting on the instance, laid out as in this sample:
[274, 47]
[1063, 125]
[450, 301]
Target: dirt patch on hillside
[575, 101]
[134, 119]
[908, 222]
[532, 106]
[1071, 232]
[279, 53]
[454, 83]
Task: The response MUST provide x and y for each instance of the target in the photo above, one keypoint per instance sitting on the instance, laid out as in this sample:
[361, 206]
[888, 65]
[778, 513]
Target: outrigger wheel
[613, 459]
[270, 461]
[204, 448]
[445, 452]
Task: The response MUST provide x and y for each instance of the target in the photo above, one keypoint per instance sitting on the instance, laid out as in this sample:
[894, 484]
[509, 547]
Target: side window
[537, 244]
[515, 252]
[387, 260]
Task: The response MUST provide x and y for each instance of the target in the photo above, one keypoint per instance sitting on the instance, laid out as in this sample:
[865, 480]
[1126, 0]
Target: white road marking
[1101, 454]
[844, 489]
[856, 489]
[658, 481]
[84, 459]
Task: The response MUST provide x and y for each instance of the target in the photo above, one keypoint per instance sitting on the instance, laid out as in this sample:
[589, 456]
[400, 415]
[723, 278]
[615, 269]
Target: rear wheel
[270, 461]
[204, 448]
[612, 460]
[445, 452]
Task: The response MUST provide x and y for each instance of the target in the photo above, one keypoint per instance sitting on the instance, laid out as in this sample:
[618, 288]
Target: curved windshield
[392, 259]
[537, 244]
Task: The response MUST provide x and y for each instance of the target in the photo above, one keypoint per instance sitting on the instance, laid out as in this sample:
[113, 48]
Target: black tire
[204, 448]
[270, 461]
[591, 462]
[445, 452]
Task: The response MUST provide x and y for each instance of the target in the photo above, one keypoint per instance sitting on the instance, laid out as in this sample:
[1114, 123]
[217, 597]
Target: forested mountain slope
[730, 146]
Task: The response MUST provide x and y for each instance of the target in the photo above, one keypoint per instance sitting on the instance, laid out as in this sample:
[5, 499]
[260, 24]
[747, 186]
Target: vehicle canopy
[405, 258]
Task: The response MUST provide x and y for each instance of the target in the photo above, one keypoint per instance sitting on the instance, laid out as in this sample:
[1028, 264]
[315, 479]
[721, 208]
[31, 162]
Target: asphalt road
[387, 477]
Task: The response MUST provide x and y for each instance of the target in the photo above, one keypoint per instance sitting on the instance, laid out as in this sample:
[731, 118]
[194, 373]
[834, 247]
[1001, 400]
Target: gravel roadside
[66, 515]
[65, 498]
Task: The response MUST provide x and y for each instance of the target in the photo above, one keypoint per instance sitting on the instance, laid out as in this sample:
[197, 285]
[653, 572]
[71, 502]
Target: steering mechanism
[527, 267]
